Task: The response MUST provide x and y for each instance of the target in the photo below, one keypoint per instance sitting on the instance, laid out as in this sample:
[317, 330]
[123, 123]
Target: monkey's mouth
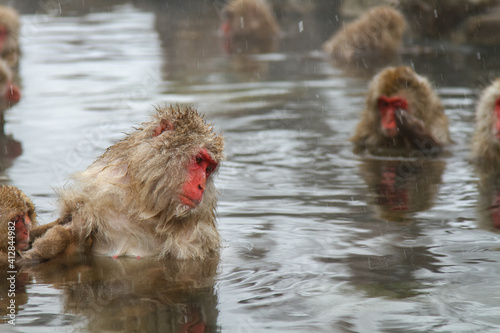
[189, 202]
[391, 132]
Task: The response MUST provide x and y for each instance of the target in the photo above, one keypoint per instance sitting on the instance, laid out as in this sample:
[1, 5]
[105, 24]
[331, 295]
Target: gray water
[315, 238]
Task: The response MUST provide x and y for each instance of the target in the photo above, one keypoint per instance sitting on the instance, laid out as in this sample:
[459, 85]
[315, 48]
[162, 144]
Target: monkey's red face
[387, 107]
[199, 169]
[496, 128]
[12, 93]
[23, 227]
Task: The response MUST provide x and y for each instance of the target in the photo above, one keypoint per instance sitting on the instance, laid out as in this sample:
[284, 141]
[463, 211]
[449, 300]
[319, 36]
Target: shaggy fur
[127, 201]
[485, 145]
[423, 104]
[14, 203]
[10, 51]
[373, 38]
[5, 77]
[252, 26]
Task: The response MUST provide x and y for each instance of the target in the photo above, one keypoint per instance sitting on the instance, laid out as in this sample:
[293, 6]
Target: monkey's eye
[199, 160]
[382, 103]
[209, 169]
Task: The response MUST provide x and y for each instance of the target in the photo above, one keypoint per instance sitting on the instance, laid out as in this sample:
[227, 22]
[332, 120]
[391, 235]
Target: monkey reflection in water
[402, 187]
[488, 202]
[130, 295]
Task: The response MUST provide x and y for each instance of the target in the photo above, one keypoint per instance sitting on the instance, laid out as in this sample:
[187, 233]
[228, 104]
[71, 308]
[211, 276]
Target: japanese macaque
[402, 114]
[17, 214]
[249, 27]
[150, 195]
[18, 222]
[371, 40]
[486, 140]
[9, 36]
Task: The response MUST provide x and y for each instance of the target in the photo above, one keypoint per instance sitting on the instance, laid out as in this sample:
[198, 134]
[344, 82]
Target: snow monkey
[486, 140]
[151, 194]
[402, 111]
[9, 36]
[18, 223]
[372, 39]
[249, 26]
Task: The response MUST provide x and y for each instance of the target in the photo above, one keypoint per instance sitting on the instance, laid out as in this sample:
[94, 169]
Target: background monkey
[9, 36]
[402, 111]
[486, 139]
[149, 195]
[372, 39]
[249, 26]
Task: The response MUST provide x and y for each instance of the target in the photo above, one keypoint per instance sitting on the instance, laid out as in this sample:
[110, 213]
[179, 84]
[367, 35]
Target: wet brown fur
[423, 104]
[14, 203]
[485, 147]
[132, 192]
[5, 76]
[10, 51]
[373, 38]
[259, 31]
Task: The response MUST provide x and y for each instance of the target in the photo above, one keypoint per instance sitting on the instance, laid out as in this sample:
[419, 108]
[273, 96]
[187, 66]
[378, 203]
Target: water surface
[316, 238]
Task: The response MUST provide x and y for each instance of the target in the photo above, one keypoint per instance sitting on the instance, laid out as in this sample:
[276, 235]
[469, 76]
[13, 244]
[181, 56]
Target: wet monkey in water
[486, 139]
[402, 112]
[150, 195]
[249, 27]
[9, 36]
[373, 39]
[18, 223]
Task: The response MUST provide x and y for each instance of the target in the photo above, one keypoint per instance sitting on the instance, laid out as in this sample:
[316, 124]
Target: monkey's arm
[416, 133]
[55, 241]
[40, 230]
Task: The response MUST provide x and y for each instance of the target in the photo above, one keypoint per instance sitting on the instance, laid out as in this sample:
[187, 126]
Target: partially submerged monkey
[9, 36]
[249, 27]
[18, 223]
[402, 112]
[372, 39]
[486, 140]
[150, 195]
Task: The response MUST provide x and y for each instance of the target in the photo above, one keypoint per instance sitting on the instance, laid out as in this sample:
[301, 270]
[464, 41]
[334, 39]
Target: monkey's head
[397, 88]
[488, 113]
[16, 211]
[385, 19]
[248, 21]
[171, 161]
[9, 26]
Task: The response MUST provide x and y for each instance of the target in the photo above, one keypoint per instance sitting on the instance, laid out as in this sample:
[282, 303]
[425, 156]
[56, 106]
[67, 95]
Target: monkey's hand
[40, 230]
[53, 243]
[414, 130]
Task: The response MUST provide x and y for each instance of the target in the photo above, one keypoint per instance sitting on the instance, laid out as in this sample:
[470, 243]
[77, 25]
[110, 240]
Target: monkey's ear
[165, 125]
